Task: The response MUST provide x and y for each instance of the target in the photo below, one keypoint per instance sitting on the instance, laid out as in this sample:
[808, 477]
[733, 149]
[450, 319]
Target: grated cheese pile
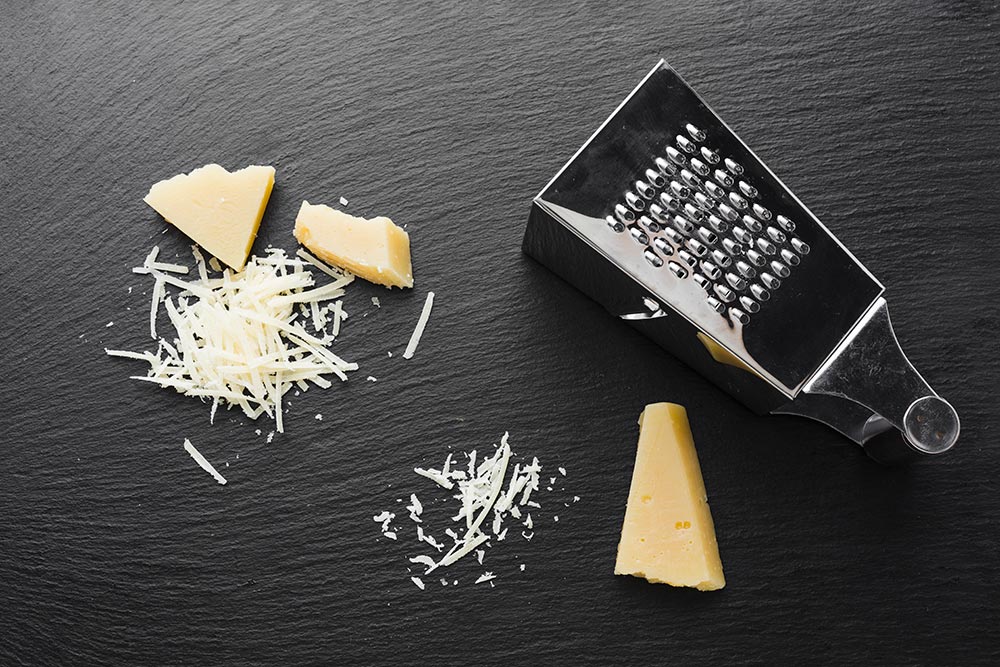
[491, 499]
[243, 339]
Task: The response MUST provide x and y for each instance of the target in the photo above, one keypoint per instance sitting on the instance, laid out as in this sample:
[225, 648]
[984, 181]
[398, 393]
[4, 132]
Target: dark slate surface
[114, 548]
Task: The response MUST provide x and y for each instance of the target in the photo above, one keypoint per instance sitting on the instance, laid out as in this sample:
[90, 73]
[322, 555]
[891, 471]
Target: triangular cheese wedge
[668, 535]
[219, 210]
[376, 250]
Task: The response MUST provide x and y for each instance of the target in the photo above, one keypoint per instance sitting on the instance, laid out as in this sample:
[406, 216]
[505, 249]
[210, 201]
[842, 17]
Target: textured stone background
[115, 548]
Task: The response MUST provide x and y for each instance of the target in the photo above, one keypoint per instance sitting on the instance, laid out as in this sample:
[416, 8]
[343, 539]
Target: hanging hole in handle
[931, 425]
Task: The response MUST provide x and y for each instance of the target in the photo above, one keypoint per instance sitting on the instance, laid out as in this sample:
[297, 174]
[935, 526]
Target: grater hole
[673, 235]
[760, 293]
[639, 235]
[664, 167]
[776, 235]
[677, 269]
[700, 167]
[722, 178]
[649, 224]
[790, 257]
[710, 156]
[694, 212]
[655, 178]
[739, 201]
[624, 214]
[645, 190]
[761, 212]
[710, 270]
[800, 246]
[707, 236]
[697, 247]
[786, 224]
[728, 212]
[733, 248]
[683, 224]
[687, 258]
[724, 293]
[717, 224]
[770, 281]
[681, 191]
[739, 316]
[748, 190]
[756, 258]
[716, 305]
[736, 282]
[615, 225]
[676, 156]
[752, 223]
[780, 269]
[663, 246]
[652, 258]
[749, 304]
[721, 258]
[766, 246]
[734, 166]
[712, 188]
[690, 179]
[685, 144]
[671, 202]
[695, 133]
[746, 270]
[635, 202]
[702, 282]
[703, 201]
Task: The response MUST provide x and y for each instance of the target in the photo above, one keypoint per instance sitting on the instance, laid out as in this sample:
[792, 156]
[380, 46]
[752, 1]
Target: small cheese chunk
[376, 250]
[668, 535]
[219, 210]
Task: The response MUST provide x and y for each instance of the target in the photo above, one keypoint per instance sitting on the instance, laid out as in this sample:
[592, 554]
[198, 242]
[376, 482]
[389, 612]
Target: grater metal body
[673, 224]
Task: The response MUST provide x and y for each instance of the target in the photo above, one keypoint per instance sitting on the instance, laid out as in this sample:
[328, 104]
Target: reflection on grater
[671, 222]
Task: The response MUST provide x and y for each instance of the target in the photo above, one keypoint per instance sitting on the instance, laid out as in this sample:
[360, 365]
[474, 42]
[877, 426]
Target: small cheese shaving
[485, 576]
[415, 508]
[343, 201]
[417, 582]
[376, 302]
[425, 314]
[203, 462]
[483, 486]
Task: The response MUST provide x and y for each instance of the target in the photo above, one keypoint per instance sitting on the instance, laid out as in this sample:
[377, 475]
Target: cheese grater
[673, 224]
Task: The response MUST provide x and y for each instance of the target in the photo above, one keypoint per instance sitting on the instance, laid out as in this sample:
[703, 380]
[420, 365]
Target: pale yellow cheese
[668, 535]
[377, 250]
[219, 210]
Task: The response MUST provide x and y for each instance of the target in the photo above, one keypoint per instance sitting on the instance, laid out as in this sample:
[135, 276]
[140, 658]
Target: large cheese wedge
[377, 250]
[668, 535]
[219, 210]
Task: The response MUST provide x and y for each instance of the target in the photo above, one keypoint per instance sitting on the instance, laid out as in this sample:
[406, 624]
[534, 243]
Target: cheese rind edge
[668, 535]
[375, 249]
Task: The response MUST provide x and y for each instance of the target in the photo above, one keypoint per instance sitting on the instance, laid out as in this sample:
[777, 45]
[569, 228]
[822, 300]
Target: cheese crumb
[343, 201]
[417, 582]
[203, 462]
[418, 331]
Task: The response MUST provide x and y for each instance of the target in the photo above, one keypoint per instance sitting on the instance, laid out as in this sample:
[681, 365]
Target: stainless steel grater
[670, 221]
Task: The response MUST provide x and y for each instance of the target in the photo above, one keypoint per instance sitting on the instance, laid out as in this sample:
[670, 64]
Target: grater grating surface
[668, 219]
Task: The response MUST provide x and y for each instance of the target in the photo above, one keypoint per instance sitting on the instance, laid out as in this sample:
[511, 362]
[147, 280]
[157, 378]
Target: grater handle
[870, 369]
